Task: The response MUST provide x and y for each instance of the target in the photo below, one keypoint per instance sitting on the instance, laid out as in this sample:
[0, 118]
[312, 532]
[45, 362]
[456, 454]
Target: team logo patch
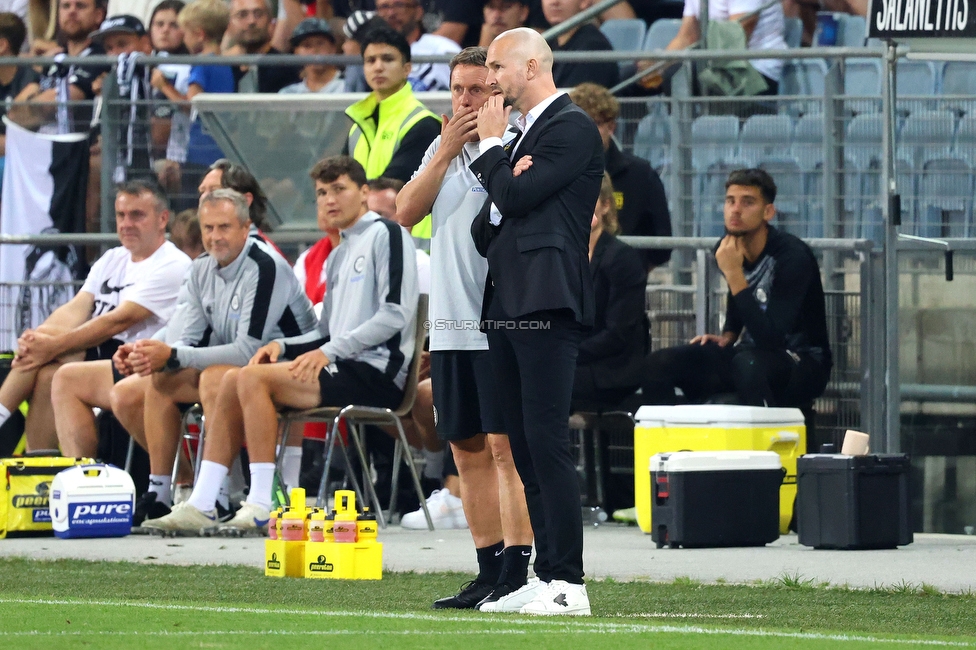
[761, 296]
[235, 302]
[359, 265]
[435, 416]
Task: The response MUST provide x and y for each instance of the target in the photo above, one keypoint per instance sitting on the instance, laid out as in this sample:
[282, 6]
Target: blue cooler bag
[92, 501]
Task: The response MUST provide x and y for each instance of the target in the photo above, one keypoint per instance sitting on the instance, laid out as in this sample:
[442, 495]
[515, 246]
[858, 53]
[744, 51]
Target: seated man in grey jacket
[360, 353]
[239, 296]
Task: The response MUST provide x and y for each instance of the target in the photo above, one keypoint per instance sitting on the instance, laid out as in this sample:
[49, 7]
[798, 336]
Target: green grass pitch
[75, 604]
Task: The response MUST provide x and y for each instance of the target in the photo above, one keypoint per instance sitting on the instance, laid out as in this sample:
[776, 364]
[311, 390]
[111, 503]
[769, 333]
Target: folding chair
[356, 417]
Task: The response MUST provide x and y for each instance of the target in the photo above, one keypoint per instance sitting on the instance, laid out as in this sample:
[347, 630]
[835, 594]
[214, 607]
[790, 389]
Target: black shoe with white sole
[471, 594]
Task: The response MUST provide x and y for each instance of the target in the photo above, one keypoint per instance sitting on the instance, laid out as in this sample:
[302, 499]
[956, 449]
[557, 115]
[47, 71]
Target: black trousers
[534, 369]
[759, 377]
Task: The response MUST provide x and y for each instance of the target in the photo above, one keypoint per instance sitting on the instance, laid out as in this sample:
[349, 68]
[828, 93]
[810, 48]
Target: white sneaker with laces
[183, 517]
[559, 598]
[515, 601]
[251, 518]
[445, 511]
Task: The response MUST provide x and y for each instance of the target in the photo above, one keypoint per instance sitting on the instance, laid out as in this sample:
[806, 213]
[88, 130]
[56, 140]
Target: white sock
[162, 485]
[4, 414]
[291, 467]
[433, 463]
[223, 497]
[262, 477]
[207, 487]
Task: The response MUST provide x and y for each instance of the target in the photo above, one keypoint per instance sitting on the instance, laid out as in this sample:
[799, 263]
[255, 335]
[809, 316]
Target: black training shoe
[147, 507]
[470, 595]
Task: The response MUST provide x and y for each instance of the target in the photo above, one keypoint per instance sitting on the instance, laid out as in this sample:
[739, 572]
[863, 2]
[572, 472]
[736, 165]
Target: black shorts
[105, 352]
[465, 394]
[357, 382]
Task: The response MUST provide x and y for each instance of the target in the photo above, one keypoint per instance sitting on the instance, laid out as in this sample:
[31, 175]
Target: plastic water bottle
[316, 526]
[594, 516]
[366, 526]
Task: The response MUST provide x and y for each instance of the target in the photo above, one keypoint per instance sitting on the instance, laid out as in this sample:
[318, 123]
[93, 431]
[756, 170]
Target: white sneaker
[445, 511]
[183, 517]
[514, 602]
[251, 518]
[559, 598]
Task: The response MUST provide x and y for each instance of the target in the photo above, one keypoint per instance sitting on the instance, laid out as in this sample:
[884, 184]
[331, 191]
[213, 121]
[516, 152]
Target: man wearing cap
[313, 37]
[125, 37]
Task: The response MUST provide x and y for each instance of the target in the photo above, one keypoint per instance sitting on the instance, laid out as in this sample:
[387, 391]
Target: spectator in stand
[773, 349]
[184, 232]
[611, 356]
[354, 29]
[464, 21]
[406, 16]
[250, 29]
[763, 32]
[13, 78]
[170, 123]
[313, 36]
[641, 206]
[585, 38]
[77, 19]
[130, 292]
[204, 23]
[391, 128]
[501, 16]
[224, 174]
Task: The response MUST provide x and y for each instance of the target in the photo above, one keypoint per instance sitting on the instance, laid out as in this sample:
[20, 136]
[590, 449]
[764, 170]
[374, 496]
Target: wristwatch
[173, 363]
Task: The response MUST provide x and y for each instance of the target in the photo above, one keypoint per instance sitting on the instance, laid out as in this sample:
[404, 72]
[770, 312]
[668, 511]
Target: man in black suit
[540, 296]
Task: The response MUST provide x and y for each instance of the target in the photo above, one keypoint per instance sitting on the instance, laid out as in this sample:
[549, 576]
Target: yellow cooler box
[709, 427]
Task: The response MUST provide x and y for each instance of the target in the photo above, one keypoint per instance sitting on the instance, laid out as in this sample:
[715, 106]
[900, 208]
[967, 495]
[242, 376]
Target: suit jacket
[538, 256]
[615, 349]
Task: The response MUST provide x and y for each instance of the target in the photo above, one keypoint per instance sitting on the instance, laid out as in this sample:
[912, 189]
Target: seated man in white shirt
[130, 293]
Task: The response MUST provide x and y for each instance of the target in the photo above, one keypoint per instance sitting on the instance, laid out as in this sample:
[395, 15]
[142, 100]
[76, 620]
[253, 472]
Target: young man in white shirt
[131, 291]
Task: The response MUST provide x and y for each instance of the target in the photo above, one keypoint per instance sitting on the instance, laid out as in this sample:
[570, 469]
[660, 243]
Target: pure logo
[103, 509]
[321, 566]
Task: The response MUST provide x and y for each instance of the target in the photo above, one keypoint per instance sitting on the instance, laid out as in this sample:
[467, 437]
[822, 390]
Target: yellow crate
[284, 559]
[344, 561]
[710, 427]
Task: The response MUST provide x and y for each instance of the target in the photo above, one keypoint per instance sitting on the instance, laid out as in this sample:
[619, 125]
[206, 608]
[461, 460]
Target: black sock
[515, 571]
[490, 561]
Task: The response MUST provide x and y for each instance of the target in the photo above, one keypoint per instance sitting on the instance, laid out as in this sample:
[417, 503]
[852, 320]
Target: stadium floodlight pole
[891, 211]
[584, 16]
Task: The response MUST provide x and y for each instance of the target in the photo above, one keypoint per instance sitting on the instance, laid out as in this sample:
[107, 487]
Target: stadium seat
[945, 198]
[851, 30]
[660, 33]
[763, 136]
[964, 145]
[625, 35]
[714, 139]
[652, 141]
[790, 214]
[916, 80]
[794, 32]
[862, 79]
[926, 135]
[804, 78]
[959, 78]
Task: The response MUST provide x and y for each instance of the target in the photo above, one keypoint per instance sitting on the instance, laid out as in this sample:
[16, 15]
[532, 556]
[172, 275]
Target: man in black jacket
[642, 207]
[542, 295]
[773, 349]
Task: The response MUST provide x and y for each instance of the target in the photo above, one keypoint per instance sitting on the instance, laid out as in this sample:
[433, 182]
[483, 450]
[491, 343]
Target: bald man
[534, 230]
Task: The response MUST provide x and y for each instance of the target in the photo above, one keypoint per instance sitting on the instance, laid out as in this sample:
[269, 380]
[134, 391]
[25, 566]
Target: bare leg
[39, 427]
[479, 489]
[126, 401]
[162, 416]
[516, 526]
[225, 422]
[17, 387]
[77, 387]
[422, 415]
[262, 390]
